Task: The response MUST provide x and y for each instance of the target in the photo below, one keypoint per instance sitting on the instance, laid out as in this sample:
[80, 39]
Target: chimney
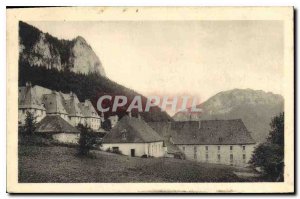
[28, 84]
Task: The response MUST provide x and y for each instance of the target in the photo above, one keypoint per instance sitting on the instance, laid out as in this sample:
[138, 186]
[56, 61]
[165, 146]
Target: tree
[106, 124]
[30, 124]
[87, 140]
[276, 135]
[269, 156]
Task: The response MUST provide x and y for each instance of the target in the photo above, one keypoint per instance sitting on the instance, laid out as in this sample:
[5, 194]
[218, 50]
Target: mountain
[61, 65]
[255, 107]
[42, 49]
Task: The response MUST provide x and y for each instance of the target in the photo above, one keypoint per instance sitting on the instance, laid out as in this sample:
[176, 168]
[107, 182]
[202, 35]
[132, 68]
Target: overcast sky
[198, 58]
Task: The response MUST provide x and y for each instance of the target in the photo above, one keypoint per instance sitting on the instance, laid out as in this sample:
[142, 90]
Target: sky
[195, 58]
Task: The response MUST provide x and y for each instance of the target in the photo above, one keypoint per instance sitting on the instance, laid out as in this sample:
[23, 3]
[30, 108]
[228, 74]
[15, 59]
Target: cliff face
[43, 50]
[255, 108]
[84, 59]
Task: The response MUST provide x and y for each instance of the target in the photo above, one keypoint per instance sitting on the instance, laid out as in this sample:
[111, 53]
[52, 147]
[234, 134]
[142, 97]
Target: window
[219, 157]
[195, 149]
[231, 147]
[206, 157]
[219, 148]
[115, 149]
[244, 158]
[183, 148]
[195, 156]
[244, 148]
[206, 147]
[231, 158]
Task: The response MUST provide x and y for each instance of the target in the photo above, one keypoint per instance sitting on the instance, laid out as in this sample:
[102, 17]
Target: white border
[3, 193]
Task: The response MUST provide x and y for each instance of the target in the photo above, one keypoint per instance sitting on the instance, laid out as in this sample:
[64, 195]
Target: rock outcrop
[43, 50]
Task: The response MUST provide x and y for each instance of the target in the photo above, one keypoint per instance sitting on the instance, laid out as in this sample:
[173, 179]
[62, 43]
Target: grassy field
[59, 164]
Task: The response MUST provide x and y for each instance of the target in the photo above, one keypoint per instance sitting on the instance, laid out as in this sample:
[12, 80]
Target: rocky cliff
[255, 107]
[43, 50]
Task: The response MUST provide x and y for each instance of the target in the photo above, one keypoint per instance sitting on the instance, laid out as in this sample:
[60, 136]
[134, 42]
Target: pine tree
[269, 156]
[87, 140]
[30, 124]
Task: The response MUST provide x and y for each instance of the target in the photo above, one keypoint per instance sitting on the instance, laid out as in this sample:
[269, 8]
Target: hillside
[60, 65]
[60, 165]
[43, 50]
[254, 107]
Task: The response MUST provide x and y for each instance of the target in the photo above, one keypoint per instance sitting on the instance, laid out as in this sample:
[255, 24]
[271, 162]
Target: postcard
[150, 100]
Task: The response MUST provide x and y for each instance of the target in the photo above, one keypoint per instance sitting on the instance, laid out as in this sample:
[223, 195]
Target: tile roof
[88, 109]
[28, 98]
[55, 124]
[164, 129]
[211, 132]
[72, 106]
[136, 131]
[54, 103]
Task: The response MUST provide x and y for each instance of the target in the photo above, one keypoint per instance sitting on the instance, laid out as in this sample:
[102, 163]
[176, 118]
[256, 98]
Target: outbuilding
[58, 129]
[134, 137]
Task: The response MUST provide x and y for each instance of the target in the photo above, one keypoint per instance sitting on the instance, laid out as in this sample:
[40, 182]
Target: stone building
[42, 101]
[59, 129]
[133, 137]
[55, 105]
[72, 105]
[90, 115]
[29, 102]
[214, 141]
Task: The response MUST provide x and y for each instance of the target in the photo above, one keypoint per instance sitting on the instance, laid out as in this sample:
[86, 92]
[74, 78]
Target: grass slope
[59, 164]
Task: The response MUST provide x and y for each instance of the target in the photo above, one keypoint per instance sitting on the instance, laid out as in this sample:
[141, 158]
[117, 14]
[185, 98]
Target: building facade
[41, 102]
[238, 155]
[214, 141]
[59, 129]
[91, 117]
[28, 102]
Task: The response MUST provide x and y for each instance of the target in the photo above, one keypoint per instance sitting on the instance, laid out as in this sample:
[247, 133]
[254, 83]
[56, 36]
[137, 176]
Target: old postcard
[150, 100]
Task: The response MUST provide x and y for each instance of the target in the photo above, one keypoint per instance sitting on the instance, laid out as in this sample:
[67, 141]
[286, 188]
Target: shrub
[87, 140]
[269, 156]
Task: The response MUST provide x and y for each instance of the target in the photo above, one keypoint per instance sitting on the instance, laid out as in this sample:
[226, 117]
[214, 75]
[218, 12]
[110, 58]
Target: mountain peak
[80, 39]
[44, 50]
[248, 96]
[255, 107]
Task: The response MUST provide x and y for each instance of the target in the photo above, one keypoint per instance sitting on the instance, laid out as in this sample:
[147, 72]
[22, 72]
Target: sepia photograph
[200, 100]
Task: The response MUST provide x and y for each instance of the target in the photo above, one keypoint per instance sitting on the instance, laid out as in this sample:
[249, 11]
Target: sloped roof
[211, 132]
[28, 98]
[88, 109]
[54, 103]
[135, 130]
[72, 106]
[164, 129]
[55, 124]
[40, 91]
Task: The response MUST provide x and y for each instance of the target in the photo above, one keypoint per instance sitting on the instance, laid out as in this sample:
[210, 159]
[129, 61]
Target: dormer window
[124, 134]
